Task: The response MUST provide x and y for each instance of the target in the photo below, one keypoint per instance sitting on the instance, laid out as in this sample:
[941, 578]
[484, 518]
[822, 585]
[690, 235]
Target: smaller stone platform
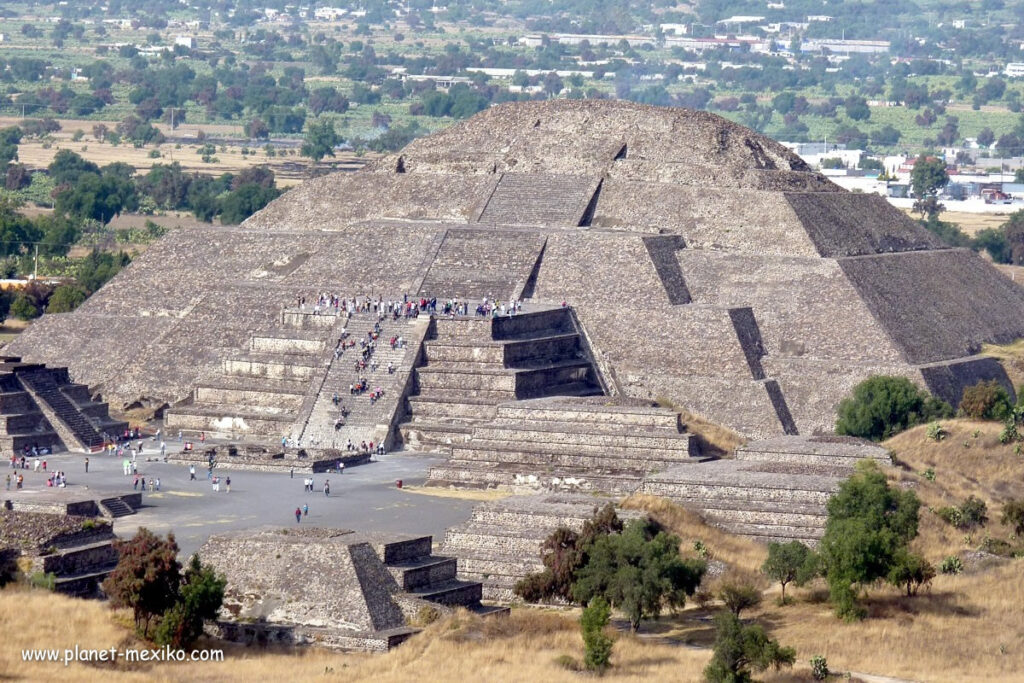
[263, 458]
[774, 490]
[77, 549]
[501, 542]
[331, 587]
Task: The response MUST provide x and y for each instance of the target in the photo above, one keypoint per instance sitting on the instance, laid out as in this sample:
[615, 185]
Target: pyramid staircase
[41, 406]
[471, 364]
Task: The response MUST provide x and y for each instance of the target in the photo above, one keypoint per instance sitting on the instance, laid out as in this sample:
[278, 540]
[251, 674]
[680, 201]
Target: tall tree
[146, 577]
[320, 140]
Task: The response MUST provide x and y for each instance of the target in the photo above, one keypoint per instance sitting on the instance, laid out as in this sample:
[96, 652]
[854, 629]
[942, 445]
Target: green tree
[910, 571]
[24, 307]
[563, 553]
[199, 599]
[882, 406]
[9, 139]
[1013, 230]
[994, 241]
[869, 526]
[928, 177]
[791, 562]
[65, 299]
[239, 204]
[320, 140]
[146, 578]
[597, 645]
[67, 167]
[741, 648]
[639, 571]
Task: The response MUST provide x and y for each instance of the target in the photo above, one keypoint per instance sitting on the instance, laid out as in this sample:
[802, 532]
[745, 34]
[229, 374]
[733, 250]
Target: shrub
[997, 546]
[1013, 516]
[568, 662]
[986, 401]
[936, 432]
[973, 513]
[44, 580]
[740, 648]
[882, 406]
[597, 645]
[911, 571]
[929, 474]
[739, 595]
[701, 549]
[951, 565]
[819, 667]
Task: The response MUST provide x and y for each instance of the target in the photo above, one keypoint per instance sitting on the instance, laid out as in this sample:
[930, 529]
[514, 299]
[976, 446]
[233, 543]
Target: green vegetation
[636, 568]
[986, 401]
[741, 648]
[869, 527]
[791, 562]
[149, 581]
[882, 406]
[597, 645]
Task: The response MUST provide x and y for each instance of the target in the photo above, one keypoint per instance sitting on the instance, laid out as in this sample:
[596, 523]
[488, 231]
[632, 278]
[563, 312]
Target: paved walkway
[364, 498]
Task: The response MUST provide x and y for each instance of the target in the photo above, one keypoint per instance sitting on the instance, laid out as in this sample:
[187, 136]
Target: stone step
[470, 408]
[581, 435]
[405, 550]
[789, 532]
[85, 584]
[270, 365]
[496, 539]
[228, 421]
[452, 593]
[576, 413]
[86, 558]
[262, 343]
[734, 492]
[608, 461]
[425, 572]
[436, 435]
[115, 507]
[429, 378]
[276, 394]
[515, 478]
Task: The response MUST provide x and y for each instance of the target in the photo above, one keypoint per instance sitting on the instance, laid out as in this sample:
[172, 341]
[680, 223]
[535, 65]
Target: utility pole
[35, 267]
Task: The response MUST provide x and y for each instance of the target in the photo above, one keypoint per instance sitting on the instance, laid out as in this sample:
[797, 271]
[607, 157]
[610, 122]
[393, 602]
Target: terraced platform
[563, 443]
[501, 542]
[775, 490]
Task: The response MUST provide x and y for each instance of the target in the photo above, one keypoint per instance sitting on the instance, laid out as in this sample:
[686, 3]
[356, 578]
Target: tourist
[298, 515]
[156, 484]
[21, 481]
[227, 484]
[135, 486]
[216, 483]
[191, 472]
[35, 464]
[305, 510]
[291, 473]
[142, 484]
[327, 488]
[87, 465]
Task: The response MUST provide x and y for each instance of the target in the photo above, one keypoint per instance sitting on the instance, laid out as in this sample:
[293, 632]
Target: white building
[674, 29]
[185, 41]
[1014, 70]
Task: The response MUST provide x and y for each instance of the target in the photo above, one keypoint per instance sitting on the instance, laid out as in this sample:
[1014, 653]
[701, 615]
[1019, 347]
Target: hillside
[965, 627]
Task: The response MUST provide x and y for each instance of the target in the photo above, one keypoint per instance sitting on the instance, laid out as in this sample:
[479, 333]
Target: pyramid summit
[704, 264]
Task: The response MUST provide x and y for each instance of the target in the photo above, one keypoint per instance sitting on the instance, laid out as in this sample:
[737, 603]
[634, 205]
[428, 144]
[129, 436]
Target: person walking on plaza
[298, 515]
[227, 484]
[191, 472]
[156, 484]
[305, 510]
[327, 488]
[87, 465]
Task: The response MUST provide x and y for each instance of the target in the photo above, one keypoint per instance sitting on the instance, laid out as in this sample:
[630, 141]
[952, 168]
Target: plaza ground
[364, 498]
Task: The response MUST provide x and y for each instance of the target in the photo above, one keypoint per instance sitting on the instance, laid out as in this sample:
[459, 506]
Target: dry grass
[462, 494]
[969, 461]
[1010, 355]
[714, 439]
[737, 552]
[522, 647]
